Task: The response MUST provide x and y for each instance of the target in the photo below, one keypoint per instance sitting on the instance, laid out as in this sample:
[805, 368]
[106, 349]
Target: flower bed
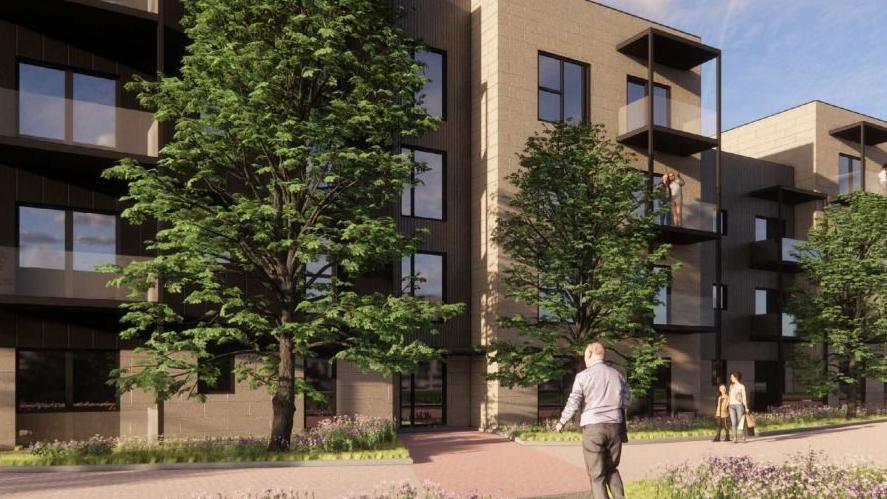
[691, 425]
[385, 490]
[805, 476]
[342, 437]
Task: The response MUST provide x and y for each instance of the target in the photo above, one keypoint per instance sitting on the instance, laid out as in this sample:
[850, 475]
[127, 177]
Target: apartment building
[499, 72]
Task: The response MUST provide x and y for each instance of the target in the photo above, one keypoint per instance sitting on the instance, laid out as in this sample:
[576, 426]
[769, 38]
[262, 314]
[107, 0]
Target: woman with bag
[738, 406]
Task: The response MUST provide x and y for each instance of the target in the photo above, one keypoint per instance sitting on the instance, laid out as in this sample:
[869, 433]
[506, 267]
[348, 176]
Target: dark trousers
[723, 424]
[602, 448]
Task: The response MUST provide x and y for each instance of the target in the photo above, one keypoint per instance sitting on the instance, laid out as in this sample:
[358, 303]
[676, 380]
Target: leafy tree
[273, 198]
[842, 302]
[579, 252]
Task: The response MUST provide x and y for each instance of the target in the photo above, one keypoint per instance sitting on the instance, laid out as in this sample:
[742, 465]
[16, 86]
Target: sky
[781, 53]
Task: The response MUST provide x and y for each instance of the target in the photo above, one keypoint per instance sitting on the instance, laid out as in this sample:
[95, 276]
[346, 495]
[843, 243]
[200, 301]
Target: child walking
[722, 414]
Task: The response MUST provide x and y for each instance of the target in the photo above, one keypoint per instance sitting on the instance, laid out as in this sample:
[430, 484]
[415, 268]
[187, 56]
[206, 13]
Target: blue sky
[781, 53]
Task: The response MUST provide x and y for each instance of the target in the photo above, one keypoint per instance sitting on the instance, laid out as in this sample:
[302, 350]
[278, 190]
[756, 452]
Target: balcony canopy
[668, 140]
[788, 195]
[669, 49]
[874, 133]
[683, 235]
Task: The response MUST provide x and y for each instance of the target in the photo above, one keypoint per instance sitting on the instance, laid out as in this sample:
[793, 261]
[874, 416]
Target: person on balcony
[662, 199]
[722, 414]
[676, 194]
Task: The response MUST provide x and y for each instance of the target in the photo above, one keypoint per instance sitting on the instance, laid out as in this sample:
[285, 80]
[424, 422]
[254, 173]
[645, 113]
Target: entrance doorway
[766, 385]
[423, 395]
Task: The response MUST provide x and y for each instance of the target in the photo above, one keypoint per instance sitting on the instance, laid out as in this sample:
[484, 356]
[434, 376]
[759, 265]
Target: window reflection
[426, 198]
[320, 373]
[432, 94]
[95, 240]
[561, 95]
[59, 380]
[41, 102]
[423, 275]
[41, 238]
[94, 109]
[422, 395]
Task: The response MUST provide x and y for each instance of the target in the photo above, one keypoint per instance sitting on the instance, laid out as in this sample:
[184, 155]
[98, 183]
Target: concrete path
[461, 461]
[864, 443]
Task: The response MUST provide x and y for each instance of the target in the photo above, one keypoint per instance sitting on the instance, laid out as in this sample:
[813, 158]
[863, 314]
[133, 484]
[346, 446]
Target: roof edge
[792, 108]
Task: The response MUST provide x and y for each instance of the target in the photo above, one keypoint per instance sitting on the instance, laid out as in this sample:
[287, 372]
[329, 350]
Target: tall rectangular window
[636, 90]
[424, 276]
[65, 380]
[433, 94]
[849, 174]
[320, 373]
[44, 112]
[46, 234]
[563, 87]
[551, 397]
[662, 310]
[719, 296]
[41, 101]
[41, 238]
[423, 395]
[426, 197]
[765, 301]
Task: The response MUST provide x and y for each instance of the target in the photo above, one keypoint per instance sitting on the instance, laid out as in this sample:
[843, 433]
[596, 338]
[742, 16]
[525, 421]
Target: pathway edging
[207, 466]
[789, 431]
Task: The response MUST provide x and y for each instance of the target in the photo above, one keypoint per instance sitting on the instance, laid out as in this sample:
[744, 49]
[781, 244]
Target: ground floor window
[423, 395]
[320, 373]
[658, 401]
[65, 380]
[552, 396]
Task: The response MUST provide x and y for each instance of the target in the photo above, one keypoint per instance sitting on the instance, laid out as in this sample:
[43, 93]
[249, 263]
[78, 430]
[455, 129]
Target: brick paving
[461, 461]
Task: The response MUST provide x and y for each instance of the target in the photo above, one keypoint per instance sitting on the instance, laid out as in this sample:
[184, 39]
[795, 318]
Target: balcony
[697, 223]
[119, 30]
[53, 130]
[65, 278]
[683, 313]
[679, 128]
[769, 254]
[769, 327]
[668, 49]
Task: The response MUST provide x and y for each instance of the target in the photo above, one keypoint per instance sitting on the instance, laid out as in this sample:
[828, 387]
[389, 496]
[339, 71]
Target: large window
[849, 174]
[45, 235]
[44, 112]
[767, 228]
[225, 381]
[562, 89]
[425, 197]
[766, 301]
[318, 277]
[662, 310]
[552, 397]
[65, 380]
[320, 373]
[423, 395]
[433, 95]
[637, 114]
[423, 275]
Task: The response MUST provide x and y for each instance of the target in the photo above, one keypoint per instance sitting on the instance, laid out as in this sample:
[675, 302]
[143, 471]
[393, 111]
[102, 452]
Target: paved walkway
[865, 443]
[461, 461]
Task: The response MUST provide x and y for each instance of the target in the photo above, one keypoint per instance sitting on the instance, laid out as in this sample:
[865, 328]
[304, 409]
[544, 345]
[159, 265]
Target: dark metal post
[862, 153]
[719, 226]
[780, 346]
[650, 157]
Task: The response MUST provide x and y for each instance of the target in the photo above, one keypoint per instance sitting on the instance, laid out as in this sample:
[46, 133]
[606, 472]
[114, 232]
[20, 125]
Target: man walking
[603, 395]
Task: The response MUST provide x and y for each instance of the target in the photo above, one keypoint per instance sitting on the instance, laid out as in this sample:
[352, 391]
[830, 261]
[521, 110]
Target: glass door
[423, 395]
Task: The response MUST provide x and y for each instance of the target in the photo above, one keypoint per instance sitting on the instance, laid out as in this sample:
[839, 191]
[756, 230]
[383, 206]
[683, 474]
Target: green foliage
[842, 301]
[284, 122]
[579, 252]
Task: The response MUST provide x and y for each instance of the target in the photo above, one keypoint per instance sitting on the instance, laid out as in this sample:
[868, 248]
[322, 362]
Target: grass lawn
[540, 435]
[643, 489]
[158, 454]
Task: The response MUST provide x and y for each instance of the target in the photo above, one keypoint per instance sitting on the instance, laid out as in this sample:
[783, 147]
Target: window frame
[668, 300]
[69, 380]
[719, 299]
[68, 72]
[69, 229]
[443, 263]
[643, 82]
[335, 393]
[443, 96]
[204, 389]
[586, 70]
[412, 186]
[851, 177]
[771, 299]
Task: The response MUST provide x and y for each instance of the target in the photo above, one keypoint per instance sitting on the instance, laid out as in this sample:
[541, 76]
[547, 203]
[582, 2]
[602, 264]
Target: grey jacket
[601, 392]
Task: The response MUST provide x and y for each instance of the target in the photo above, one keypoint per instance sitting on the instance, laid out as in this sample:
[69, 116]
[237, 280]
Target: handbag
[749, 424]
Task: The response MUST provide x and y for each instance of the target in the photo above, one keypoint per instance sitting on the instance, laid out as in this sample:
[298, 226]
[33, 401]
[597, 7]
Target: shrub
[95, 446]
[804, 476]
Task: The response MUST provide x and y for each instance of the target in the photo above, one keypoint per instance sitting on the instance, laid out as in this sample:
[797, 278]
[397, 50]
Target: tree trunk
[852, 390]
[284, 401]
